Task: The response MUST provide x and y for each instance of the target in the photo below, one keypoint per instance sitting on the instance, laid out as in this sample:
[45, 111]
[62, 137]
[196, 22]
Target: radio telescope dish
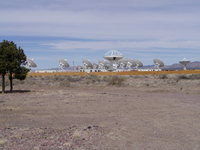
[158, 63]
[30, 63]
[95, 66]
[87, 64]
[113, 55]
[63, 64]
[122, 63]
[184, 62]
[104, 64]
[131, 63]
[138, 63]
[79, 67]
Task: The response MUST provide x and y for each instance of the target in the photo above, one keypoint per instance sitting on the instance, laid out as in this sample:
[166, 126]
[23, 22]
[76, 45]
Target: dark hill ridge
[192, 65]
[177, 66]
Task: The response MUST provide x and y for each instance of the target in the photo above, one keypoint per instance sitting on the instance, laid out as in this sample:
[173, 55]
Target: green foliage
[12, 59]
[2, 61]
[21, 73]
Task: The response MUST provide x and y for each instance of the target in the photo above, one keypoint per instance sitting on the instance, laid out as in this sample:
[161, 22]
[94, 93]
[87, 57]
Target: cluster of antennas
[63, 64]
[113, 61]
[110, 65]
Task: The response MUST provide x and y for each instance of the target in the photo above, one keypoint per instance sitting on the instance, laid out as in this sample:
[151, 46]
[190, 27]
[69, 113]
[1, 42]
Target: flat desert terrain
[102, 113]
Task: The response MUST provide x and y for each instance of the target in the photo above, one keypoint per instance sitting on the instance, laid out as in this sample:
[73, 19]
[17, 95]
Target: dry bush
[139, 76]
[162, 76]
[195, 76]
[105, 78]
[65, 83]
[92, 79]
[74, 78]
[184, 76]
[180, 77]
[116, 81]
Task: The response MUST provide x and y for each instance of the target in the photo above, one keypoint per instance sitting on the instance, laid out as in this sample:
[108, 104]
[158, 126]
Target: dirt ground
[105, 117]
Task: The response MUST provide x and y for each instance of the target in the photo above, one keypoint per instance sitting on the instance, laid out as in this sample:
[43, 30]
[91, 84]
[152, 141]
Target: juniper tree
[11, 61]
[2, 67]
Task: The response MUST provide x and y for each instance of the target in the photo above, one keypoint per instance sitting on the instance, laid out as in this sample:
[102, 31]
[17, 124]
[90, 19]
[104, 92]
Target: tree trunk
[11, 81]
[3, 83]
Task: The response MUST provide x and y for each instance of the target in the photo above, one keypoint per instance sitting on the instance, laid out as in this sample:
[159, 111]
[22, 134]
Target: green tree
[2, 68]
[12, 61]
[21, 73]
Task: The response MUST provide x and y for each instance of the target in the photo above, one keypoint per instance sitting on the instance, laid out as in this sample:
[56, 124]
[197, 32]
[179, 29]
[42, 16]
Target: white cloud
[100, 25]
[100, 45]
[105, 19]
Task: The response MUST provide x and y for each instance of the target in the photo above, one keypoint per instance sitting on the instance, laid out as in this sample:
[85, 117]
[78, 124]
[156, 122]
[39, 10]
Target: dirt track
[102, 118]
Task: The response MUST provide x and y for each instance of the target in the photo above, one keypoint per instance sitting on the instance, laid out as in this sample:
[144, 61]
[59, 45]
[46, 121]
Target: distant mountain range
[177, 66]
[192, 65]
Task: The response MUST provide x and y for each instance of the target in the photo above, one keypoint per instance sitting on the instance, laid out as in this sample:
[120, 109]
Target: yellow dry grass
[114, 73]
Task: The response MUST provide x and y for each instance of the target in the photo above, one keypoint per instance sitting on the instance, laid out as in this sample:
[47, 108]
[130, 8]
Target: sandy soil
[102, 117]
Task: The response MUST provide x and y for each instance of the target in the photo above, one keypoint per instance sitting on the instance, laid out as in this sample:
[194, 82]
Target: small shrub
[105, 78]
[56, 78]
[195, 76]
[162, 76]
[116, 81]
[74, 78]
[93, 78]
[183, 77]
[65, 83]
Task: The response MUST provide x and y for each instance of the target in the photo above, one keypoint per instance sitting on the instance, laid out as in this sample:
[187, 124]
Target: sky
[49, 30]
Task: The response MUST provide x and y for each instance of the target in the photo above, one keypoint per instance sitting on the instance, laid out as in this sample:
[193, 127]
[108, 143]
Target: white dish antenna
[138, 63]
[122, 63]
[87, 64]
[131, 63]
[63, 64]
[113, 55]
[79, 67]
[103, 64]
[184, 62]
[158, 63]
[30, 63]
[95, 66]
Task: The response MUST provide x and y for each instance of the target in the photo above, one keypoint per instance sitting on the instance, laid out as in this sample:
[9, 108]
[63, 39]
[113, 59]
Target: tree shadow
[17, 91]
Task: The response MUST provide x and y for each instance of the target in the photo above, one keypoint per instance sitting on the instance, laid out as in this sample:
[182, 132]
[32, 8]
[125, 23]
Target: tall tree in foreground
[2, 68]
[15, 64]
[13, 59]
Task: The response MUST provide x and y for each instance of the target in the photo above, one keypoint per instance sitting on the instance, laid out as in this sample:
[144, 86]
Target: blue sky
[49, 30]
